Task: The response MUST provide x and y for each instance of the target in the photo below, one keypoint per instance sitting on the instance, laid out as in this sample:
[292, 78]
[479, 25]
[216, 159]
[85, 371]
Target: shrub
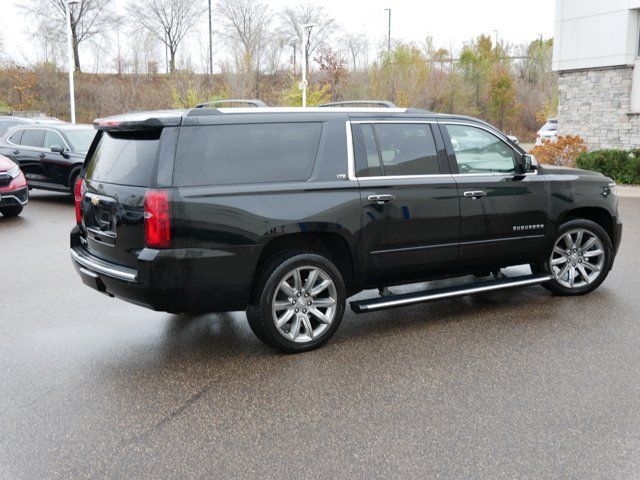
[623, 166]
[563, 152]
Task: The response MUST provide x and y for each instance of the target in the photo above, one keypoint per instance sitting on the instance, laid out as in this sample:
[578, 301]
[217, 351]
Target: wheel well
[330, 245]
[72, 174]
[595, 214]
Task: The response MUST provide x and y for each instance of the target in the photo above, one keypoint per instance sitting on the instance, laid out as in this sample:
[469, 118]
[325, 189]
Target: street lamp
[72, 101]
[389, 30]
[306, 31]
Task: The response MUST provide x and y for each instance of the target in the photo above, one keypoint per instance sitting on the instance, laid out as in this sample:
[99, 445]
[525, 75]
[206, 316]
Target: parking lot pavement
[502, 385]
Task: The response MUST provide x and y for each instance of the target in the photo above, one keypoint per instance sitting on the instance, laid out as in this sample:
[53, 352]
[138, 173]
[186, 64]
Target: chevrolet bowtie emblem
[95, 201]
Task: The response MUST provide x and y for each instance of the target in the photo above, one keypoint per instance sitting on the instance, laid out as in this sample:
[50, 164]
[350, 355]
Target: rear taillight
[79, 190]
[157, 219]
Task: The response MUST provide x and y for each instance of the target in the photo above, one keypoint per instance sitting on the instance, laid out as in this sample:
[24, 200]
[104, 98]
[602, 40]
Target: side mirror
[526, 164]
[60, 150]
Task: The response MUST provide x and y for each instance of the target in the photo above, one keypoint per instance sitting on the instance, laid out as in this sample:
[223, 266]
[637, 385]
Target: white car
[549, 131]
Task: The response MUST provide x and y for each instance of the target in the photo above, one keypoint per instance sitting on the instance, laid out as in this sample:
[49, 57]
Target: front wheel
[298, 302]
[580, 259]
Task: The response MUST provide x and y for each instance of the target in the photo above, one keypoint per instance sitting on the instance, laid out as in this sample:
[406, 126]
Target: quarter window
[478, 151]
[396, 149]
[247, 153]
[32, 138]
[16, 137]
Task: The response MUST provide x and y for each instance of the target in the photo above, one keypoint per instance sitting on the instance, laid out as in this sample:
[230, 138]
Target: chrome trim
[405, 177]
[394, 121]
[504, 239]
[3, 196]
[452, 293]
[37, 149]
[113, 272]
[351, 162]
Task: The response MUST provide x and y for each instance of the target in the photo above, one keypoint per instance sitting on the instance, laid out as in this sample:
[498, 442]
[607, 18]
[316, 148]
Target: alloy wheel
[304, 304]
[577, 259]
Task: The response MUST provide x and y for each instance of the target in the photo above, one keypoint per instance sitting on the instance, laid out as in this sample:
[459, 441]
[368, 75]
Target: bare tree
[88, 19]
[293, 20]
[167, 20]
[357, 49]
[247, 23]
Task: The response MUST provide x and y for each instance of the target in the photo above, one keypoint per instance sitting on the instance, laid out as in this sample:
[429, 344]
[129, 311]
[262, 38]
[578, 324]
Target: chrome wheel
[304, 304]
[577, 259]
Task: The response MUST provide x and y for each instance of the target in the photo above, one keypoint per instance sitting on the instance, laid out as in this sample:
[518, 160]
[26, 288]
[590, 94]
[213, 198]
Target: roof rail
[380, 103]
[255, 102]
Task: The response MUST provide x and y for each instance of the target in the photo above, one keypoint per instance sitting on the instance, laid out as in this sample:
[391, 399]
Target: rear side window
[248, 153]
[32, 138]
[403, 149]
[16, 137]
[124, 158]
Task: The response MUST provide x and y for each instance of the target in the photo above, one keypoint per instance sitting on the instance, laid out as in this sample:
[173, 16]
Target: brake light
[157, 219]
[79, 189]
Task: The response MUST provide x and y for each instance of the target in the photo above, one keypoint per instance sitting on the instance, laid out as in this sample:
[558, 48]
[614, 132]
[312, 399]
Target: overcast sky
[450, 23]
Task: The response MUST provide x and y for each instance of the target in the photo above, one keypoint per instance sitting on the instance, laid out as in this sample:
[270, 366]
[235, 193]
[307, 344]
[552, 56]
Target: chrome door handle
[475, 194]
[381, 199]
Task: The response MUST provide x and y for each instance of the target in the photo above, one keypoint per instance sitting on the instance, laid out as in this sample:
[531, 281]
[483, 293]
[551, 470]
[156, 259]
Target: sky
[450, 23]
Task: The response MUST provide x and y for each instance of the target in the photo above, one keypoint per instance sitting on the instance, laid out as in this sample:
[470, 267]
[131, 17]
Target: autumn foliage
[563, 152]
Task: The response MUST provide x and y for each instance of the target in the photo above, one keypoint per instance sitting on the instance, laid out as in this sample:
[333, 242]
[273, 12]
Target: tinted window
[124, 158]
[251, 153]
[52, 138]
[32, 138]
[16, 137]
[366, 151]
[478, 151]
[407, 149]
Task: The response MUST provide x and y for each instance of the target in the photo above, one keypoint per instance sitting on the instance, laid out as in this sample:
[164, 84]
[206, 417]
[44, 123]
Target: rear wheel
[12, 211]
[298, 302]
[580, 259]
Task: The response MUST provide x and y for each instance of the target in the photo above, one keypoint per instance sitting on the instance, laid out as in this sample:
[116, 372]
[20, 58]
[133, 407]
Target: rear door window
[246, 153]
[396, 149]
[32, 138]
[125, 158]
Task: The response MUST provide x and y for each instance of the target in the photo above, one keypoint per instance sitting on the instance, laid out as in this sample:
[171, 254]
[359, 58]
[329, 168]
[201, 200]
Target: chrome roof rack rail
[255, 102]
[379, 103]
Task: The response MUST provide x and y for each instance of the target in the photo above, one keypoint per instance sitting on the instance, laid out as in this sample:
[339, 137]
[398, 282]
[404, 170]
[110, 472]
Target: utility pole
[210, 43]
[496, 32]
[306, 32]
[72, 96]
[389, 30]
[166, 52]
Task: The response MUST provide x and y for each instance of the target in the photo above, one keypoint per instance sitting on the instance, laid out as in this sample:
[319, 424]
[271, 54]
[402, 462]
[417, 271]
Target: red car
[14, 193]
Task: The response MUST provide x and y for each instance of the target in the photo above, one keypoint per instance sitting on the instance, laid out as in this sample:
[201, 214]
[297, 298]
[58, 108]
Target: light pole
[306, 31]
[210, 43]
[389, 30]
[72, 97]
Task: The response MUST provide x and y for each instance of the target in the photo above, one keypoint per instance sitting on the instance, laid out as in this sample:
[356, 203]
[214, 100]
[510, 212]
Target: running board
[403, 299]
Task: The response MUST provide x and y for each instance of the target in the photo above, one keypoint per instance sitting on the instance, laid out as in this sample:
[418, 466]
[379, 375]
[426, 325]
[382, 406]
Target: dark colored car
[288, 212]
[8, 121]
[14, 193]
[50, 155]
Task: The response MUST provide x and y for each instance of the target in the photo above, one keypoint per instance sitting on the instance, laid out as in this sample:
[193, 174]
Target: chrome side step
[403, 299]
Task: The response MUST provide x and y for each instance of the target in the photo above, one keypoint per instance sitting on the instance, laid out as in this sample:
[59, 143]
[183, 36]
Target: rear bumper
[15, 198]
[181, 280]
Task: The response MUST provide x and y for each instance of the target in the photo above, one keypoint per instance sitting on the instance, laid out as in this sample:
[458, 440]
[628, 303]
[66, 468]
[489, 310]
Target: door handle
[16, 152]
[42, 155]
[381, 199]
[475, 194]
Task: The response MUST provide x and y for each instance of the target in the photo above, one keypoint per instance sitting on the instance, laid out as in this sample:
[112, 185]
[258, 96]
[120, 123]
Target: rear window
[124, 158]
[249, 153]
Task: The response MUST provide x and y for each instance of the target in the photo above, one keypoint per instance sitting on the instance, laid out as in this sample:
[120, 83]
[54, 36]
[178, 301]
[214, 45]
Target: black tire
[12, 211]
[593, 229]
[268, 280]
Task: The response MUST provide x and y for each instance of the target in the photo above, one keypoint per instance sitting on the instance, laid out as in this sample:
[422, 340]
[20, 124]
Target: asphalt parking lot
[512, 384]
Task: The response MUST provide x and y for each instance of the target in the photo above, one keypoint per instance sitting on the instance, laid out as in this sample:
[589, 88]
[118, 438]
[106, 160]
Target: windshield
[550, 126]
[80, 138]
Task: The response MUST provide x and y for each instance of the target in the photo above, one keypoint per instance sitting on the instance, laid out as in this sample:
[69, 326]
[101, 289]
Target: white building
[597, 56]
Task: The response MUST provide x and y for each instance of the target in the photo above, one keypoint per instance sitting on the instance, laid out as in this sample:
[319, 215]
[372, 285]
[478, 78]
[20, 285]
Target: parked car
[549, 131]
[288, 212]
[51, 155]
[14, 193]
[8, 121]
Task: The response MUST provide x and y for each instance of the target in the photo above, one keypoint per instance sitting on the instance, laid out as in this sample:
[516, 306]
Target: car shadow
[50, 197]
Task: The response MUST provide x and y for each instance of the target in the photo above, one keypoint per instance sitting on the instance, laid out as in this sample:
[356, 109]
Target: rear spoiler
[140, 120]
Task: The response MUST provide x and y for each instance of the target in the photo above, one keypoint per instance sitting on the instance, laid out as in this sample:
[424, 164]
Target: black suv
[51, 155]
[287, 212]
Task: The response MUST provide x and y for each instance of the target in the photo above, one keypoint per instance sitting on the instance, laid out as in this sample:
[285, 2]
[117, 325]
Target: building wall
[596, 105]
